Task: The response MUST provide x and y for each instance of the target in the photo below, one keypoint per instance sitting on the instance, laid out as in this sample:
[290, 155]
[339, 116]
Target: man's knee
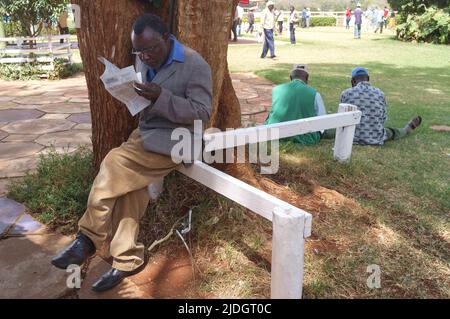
[112, 158]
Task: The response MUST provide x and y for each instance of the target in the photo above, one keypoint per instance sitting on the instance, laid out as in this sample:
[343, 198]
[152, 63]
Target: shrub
[13, 28]
[62, 70]
[21, 71]
[431, 26]
[57, 192]
[322, 22]
[34, 70]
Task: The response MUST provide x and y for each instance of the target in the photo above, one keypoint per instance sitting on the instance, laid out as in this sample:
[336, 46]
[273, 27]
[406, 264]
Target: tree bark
[105, 31]
[204, 26]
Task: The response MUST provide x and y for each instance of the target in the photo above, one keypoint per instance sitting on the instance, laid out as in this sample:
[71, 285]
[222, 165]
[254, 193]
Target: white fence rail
[338, 15]
[43, 49]
[348, 116]
[291, 225]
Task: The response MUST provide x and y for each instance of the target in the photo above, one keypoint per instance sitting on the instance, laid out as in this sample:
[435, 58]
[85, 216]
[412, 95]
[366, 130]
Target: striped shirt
[372, 103]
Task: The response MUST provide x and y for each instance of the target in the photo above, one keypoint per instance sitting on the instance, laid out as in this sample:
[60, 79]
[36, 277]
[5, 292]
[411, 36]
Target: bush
[13, 29]
[21, 71]
[34, 71]
[257, 19]
[62, 70]
[322, 22]
[432, 26]
[57, 193]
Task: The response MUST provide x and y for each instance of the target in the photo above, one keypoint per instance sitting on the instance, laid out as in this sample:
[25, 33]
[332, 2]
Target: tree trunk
[204, 26]
[105, 31]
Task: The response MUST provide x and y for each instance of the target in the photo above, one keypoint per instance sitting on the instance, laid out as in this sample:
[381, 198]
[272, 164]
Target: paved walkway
[37, 115]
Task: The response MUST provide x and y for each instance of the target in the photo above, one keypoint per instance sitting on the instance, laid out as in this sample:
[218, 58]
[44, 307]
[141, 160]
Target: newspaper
[120, 84]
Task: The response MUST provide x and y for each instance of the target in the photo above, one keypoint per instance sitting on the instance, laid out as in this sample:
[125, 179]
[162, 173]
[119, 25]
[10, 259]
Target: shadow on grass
[419, 87]
[408, 168]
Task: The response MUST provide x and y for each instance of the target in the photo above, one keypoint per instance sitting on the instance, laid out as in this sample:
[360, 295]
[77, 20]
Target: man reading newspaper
[177, 88]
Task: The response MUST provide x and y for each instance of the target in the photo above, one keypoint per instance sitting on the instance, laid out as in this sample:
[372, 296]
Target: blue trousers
[268, 43]
[292, 29]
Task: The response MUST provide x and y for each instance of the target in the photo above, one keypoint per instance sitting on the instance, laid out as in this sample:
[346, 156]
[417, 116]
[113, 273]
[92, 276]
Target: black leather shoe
[76, 253]
[112, 278]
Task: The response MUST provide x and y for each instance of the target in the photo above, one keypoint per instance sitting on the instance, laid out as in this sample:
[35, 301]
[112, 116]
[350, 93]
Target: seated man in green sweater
[296, 100]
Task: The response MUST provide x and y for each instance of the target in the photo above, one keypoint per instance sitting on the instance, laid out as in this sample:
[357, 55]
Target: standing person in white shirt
[280, 19]
[268, 25]
[308, 17]
[379, 20]
[293, 20]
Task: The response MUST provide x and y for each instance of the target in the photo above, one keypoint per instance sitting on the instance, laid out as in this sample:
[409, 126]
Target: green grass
[57, 191]
[398, 209]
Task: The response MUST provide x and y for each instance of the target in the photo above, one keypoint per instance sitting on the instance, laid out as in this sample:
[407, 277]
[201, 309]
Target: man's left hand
[150, 91]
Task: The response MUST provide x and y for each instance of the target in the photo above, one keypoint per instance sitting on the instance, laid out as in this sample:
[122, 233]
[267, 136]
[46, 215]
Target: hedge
[322, 22]
[313, 21]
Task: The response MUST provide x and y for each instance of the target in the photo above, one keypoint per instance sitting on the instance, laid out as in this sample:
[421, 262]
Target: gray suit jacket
[186, 96]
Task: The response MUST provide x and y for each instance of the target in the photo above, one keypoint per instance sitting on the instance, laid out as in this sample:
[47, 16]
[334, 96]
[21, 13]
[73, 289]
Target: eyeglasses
[148, 50]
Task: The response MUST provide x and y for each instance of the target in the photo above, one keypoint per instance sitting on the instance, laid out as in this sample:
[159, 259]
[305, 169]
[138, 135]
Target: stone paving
[25, 249]
[37, 115]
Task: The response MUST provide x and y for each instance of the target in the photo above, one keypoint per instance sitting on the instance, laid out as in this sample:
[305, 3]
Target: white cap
[303, 67]
[359, 4]
[270, 3]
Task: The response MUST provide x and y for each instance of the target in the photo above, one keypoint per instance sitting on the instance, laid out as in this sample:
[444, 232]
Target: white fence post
[287, 254]
[344, 136]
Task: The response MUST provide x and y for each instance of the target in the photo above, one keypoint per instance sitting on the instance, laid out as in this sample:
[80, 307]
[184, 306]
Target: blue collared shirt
[176, 54]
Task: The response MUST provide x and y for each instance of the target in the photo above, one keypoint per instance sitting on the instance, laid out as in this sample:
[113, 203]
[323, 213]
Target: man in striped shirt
[371, 101]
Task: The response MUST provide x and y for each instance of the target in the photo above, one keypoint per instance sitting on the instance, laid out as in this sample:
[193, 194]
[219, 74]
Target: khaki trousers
[119, 198]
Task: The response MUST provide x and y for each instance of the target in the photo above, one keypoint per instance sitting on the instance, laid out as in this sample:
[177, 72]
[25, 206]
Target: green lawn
[399, 217]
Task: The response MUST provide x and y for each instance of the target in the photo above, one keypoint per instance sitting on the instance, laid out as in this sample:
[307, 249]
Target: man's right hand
[150, 91]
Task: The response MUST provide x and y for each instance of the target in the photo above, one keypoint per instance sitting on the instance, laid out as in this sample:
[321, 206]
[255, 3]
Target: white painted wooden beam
[242, 136]
[246, 195]
[41, 38]
[344, 135]
[37, 59]
[287, 254]
[39, 50]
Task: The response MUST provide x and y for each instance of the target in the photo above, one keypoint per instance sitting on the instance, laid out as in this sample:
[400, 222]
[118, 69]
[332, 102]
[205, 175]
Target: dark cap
[359, 71]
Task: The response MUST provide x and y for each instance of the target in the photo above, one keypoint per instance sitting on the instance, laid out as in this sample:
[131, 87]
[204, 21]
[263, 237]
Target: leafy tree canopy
[31, 14]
